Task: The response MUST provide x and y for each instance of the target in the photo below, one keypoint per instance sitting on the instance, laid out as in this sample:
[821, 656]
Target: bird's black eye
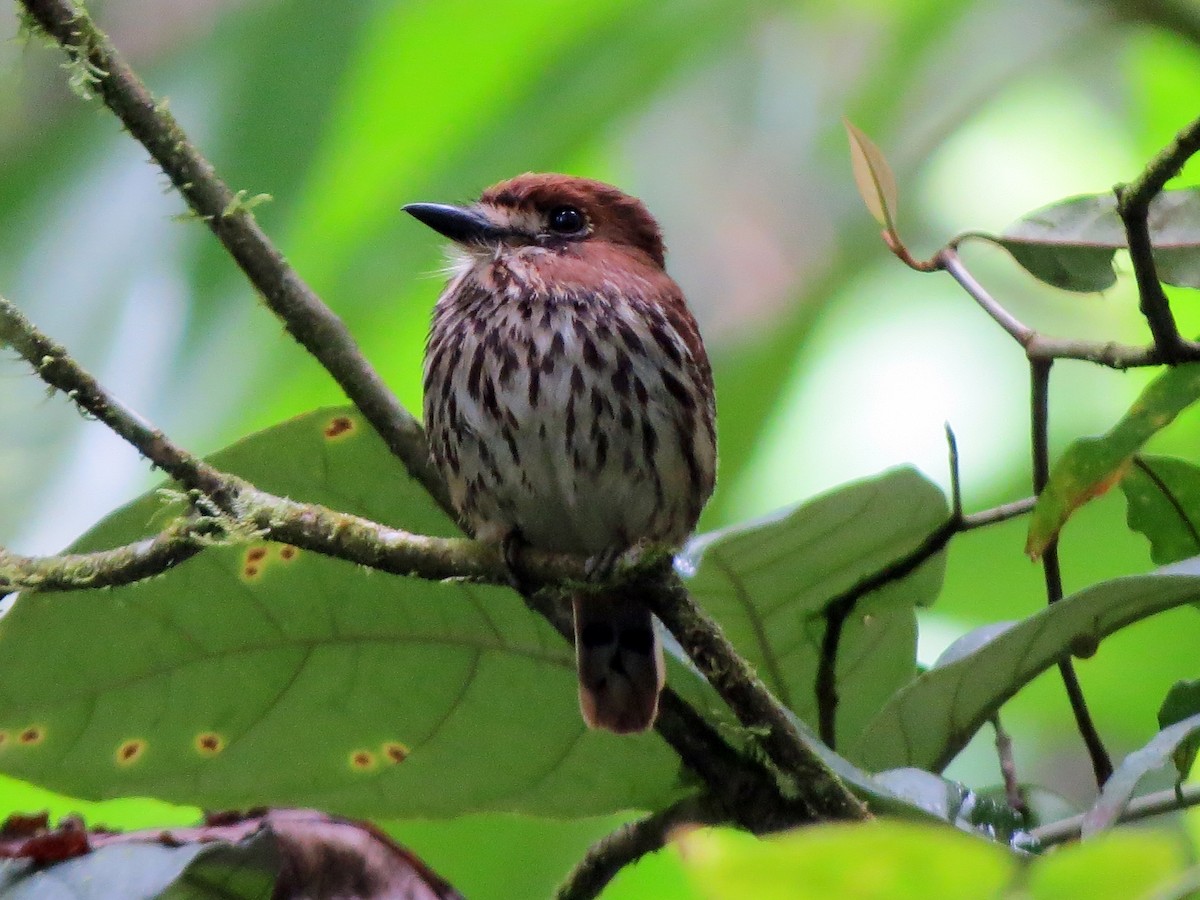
[566, 220]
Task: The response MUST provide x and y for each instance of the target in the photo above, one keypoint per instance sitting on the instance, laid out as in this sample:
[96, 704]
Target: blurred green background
[832, 360]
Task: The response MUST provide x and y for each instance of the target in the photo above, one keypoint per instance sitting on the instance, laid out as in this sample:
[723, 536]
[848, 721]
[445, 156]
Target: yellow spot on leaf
[34, 734]
[287, 552]
[209, 743]
[129, 752]
[394, 751]
[3, 740]
[363, 760]
[339, 427]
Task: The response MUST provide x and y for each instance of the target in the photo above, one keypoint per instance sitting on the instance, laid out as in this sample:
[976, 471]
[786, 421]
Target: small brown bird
[569, 402]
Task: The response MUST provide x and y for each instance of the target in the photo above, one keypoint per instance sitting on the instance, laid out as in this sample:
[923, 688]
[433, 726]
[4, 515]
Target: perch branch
[313, 324]
[1039, 371]
[263, 515]
[325, 336]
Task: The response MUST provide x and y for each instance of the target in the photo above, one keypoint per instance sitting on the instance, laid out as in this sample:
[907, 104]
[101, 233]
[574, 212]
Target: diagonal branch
[820, 793]
[313, 324]
[1133, 205]
[631, 842]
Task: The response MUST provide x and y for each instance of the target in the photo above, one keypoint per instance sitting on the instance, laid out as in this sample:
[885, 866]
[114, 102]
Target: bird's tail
[620, 662]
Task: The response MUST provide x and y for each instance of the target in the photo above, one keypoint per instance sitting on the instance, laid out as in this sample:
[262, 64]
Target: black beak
[463, 226]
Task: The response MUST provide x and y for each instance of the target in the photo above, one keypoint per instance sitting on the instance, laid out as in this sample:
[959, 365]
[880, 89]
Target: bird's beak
[461, 225]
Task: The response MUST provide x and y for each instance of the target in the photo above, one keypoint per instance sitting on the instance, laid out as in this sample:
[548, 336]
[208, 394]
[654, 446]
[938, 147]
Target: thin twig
[631, 842]
[956, 502]
[262, 514]
[838, 609]
[1008, 770]
[950, 261]
[1133, 206]
[1143, 807]
[1040, 417]
[996, 514]
[1040, 347]
[305, 316]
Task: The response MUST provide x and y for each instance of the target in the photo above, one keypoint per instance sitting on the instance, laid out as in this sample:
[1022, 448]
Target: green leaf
[768, 584]
[1070, 244]
[1163, 497]
[258, 675]
[1118, 790]
[926, 723]
[1182, 701]
[1090, 466]
[881, 859]
[1113, 866]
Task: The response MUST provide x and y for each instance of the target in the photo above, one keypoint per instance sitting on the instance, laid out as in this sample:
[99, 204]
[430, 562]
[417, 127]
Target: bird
[569, 403]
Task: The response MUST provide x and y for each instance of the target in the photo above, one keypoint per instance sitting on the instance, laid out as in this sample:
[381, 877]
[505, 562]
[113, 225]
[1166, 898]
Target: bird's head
[559, 213]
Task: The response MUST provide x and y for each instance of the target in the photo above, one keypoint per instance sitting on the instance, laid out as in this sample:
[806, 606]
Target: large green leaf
[930, 720]
[880, 859]
[1163, 497]
[263, 675]
[1090, 466]
[1118, 790]
[1071, 244]
[1114, 866]
[768, 584]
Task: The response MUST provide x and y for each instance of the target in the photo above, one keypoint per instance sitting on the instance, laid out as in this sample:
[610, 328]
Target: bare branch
[1169, 800]
[1041, 348]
